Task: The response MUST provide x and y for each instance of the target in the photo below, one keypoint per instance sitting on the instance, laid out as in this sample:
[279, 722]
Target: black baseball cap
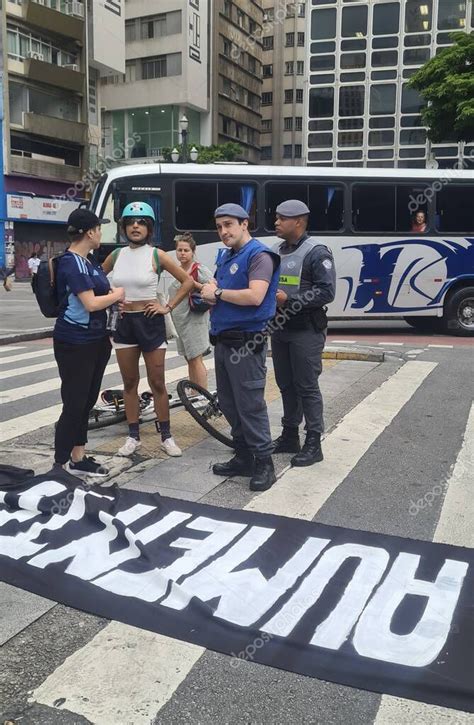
[81, 220]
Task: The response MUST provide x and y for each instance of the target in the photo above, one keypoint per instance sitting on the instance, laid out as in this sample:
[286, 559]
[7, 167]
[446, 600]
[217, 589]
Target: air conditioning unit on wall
[71, 66]
[76, 8]
[35, 56]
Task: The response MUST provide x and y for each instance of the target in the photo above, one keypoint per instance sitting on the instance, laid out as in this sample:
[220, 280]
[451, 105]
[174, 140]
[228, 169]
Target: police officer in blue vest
[244, 299]
[307, 283]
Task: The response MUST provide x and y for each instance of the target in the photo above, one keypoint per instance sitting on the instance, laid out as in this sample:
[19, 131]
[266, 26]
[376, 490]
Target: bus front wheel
[459, 312]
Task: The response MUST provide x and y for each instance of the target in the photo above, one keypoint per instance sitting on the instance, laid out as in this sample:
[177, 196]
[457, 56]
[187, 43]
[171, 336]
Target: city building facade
[53, 55]
[236, 74]
[360, 56]
[284, 74]
[166, 77]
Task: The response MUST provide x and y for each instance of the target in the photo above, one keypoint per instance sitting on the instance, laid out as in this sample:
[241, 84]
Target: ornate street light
[175, 155]
[183, 126]
[194, 153]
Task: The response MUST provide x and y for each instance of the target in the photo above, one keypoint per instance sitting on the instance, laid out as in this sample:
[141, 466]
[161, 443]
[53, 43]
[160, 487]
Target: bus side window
[326, 203]
[276, 192]
[373, 208]
[242, 193]
[412, 208]
[455, 208]
[196, 202]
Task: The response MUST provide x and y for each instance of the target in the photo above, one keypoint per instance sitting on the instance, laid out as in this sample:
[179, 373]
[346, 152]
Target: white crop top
[133, 270]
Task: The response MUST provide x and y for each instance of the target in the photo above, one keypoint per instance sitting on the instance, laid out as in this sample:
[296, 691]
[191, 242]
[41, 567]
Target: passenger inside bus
[419, 222]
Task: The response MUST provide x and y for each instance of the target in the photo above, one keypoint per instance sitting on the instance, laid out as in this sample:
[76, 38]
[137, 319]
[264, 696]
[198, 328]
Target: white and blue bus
[391, 261]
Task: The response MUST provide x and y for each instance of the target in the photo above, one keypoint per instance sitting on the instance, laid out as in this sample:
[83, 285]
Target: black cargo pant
[81, 369]
[297, 362]
[240, 377]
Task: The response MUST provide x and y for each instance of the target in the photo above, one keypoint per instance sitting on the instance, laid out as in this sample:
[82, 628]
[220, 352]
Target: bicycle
[200, 403]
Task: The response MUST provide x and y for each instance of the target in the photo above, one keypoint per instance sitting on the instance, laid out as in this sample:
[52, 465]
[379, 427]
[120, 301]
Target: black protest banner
[371, 611]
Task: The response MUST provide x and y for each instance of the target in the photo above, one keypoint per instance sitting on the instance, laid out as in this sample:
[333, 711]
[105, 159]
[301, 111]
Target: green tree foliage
[446, 82]
[208, 154]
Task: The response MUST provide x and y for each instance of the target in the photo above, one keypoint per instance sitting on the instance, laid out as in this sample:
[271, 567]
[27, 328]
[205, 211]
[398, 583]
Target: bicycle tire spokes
[203, 406]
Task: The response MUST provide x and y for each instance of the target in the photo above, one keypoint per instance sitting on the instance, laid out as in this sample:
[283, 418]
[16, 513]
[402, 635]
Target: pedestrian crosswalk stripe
[343, 449]
[27, 356]
[45, 386]
[298, 494]
[7, 348]
[30, 422]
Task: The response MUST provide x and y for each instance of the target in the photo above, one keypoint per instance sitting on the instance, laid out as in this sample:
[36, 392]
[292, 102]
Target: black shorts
[136, 330]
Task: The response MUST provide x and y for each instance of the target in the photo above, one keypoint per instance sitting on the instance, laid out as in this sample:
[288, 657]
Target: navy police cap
[234, 210]
[292, 207]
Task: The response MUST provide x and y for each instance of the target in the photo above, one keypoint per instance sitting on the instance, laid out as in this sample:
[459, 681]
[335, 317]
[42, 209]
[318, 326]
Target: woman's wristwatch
[218, 293]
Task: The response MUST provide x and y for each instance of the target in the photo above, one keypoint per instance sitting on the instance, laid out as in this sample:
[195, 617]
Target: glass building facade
[360, 111]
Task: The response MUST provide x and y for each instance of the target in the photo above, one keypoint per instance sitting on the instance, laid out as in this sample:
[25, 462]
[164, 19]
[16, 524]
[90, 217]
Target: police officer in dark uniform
[307, 283]
[244, 299]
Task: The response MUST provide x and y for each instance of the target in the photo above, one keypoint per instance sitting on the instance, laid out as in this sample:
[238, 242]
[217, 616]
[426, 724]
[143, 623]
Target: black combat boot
[311, 451]
[264, 476]
[288, 441]
[242, 464]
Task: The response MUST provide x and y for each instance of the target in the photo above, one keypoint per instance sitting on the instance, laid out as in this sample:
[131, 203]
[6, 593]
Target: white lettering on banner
[336, 628]
[151, 585]
[28, 502]
[373, 636]
[22, 543]
[91, 554]
[219, 580]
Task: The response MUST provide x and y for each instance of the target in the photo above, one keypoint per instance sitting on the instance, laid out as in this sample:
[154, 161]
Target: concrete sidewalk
[20, 316]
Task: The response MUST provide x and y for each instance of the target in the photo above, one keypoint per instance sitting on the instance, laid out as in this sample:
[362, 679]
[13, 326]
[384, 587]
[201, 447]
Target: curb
[25, 336]
[370, 356]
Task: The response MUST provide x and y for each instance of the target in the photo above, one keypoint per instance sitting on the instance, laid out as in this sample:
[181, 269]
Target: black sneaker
[88, 465]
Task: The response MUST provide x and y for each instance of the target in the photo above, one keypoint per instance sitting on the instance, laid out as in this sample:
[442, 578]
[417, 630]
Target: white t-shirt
[33, 264]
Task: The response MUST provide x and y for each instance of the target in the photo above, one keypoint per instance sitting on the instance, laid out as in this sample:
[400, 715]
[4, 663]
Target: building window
[252, 64]
[298, 123]
[299, 95]
[351, 100]
[289, 68]
[382, 99]
[354, 22]
[287, 151]
[161, 66]
[227, 8]
[240, 18]
[268, 42]
[267, 71]
[418, 16]
[130, 31]
[266, 153]
[300, 67]
[267, 98]
[301, 10]
[130, 71]
[289, 95]
[227, 47]
[323, 24]
[300, 40]
[412, 101]
[298, 151]
[386, 19]
[452, 15]
[288, 123]
[226, 126]
[266, 125]
[290, 40]
[321, 102]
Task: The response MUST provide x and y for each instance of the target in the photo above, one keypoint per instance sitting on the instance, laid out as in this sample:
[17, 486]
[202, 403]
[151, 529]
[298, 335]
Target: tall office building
[236, 74]
[166, 77]
[284, 75]
[361, 111]
[52, 60]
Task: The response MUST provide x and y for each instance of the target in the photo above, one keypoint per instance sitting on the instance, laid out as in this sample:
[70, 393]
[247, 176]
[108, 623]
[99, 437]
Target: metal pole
[184, 153]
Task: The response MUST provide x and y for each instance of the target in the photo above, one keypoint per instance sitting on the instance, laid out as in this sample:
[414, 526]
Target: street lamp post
[183, 125]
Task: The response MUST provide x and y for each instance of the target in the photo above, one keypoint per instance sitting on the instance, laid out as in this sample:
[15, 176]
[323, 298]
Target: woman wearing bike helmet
[141, 325]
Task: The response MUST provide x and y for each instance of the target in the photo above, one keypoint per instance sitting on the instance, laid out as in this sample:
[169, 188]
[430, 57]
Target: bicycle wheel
[100, 417]
[204, 408]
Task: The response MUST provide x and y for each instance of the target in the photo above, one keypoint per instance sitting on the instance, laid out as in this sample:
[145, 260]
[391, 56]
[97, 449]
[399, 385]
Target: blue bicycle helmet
[139, 209]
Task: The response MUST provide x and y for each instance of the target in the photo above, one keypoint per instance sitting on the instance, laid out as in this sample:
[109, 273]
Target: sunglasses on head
[138, 219]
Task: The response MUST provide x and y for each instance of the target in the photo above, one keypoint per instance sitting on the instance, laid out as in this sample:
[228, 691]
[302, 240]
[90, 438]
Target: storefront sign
[38, 208]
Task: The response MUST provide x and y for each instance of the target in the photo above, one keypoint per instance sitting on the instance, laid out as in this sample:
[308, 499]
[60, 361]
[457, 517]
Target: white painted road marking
[47, 416]
[299, 494]
[443, 347]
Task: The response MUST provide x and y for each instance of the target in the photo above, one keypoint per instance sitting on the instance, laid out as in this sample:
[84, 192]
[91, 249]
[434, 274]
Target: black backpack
[45, 287]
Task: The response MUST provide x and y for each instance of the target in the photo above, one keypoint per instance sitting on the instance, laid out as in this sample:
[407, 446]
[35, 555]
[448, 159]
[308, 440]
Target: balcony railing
[68, 7]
